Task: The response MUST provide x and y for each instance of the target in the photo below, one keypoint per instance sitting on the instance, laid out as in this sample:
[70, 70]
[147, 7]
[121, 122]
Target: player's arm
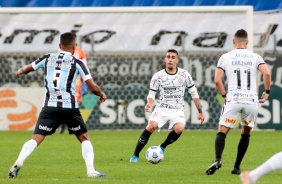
[150, 101]
[195, 96]
[218, 76]
[266, 81]
[24, 70]
[96, 89]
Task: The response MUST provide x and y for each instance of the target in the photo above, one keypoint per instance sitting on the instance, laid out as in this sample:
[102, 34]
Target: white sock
[88, 155]
[27, 149]
[272, 164]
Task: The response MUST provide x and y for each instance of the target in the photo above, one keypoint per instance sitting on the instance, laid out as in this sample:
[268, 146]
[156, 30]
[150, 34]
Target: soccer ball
[154, 154]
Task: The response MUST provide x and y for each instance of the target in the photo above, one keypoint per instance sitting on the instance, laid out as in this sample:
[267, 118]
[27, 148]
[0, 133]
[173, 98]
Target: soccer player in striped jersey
[171, 83]
[240, 66]
[60, 106]
[80, 54]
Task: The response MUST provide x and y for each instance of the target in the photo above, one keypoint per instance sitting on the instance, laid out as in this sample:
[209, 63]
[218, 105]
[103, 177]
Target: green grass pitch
[58, 159]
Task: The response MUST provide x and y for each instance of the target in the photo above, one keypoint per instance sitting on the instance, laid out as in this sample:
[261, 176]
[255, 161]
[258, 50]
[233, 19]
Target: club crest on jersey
[180, 80]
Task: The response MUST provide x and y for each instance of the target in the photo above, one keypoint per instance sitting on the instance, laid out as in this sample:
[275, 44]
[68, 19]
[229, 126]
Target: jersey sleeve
[40, 62]
[83, 70]
[259, 60]
[189, 81]
[220, 63]
[154, 85]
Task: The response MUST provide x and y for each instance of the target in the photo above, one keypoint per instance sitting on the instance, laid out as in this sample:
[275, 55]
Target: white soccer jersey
[171, 88]
[240, 67]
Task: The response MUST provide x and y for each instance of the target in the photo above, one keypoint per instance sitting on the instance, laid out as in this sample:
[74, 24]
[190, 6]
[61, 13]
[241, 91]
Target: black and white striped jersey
[60, 73]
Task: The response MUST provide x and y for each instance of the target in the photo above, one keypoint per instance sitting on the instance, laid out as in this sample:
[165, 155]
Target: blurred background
[125, 43]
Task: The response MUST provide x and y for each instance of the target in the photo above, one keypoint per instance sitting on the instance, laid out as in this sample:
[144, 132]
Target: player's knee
[151, 127]
[179, 128]
[82, 137]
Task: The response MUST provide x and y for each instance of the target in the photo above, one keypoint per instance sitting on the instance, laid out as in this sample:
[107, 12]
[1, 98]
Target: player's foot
[215, 165]
[96, 174]
[14, 171]
[236, 171]
[162, 148]
[245, 178]
[134, 159]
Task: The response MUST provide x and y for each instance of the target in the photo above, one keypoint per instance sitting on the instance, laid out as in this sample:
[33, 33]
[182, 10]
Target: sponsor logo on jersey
[59, 100]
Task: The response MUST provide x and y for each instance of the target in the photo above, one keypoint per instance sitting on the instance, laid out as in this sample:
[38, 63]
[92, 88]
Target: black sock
[219, 145]
[242, 148]
[172, 137]
[142, 141]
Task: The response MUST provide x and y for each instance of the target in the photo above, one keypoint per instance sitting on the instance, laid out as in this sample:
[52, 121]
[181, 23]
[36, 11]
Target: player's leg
[219, 147]
[227, 120]
[249, 115]
[177, 124]
[88, 155]
[143, 139]
[242, 148]
[63, 127]
[77, 127]
[26, 150]
[45, 125]
[272, 164]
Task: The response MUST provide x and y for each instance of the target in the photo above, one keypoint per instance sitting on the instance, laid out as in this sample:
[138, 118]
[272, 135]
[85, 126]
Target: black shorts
[50, 118]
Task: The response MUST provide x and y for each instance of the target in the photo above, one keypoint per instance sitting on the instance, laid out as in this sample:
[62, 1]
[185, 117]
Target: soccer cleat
[215, 165]
[236, 171]
[96, 174]
[134, 159]
[245, 178]
[162, 148]
[14, 171]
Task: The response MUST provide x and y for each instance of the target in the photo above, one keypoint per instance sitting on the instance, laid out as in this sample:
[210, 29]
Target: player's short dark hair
[241, 33]
[67, 38]
[173, 50]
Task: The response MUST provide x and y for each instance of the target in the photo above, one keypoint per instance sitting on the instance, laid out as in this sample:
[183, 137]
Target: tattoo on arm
[199, 107]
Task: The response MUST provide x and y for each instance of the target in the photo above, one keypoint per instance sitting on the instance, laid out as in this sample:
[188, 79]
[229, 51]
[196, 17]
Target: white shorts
[231, 112]
[162, 116]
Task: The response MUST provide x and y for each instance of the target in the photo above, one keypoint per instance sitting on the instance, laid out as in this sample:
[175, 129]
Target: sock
[88, 155]
[172, 137]
[219, 145]
[27, 149]
[274, 163]
[242, 148]
[142, 141]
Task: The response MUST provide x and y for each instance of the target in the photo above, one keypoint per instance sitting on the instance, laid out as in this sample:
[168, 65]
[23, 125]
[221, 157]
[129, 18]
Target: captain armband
[151, 94]
[193, 91]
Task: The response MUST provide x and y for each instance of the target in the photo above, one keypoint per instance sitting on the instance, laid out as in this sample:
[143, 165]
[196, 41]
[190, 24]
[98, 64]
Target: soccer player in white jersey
[274, 163]
[171, 83]
[240, 67]
[60, 106]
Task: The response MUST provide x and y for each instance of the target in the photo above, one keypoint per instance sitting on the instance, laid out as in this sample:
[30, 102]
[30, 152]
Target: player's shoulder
[183, 71]
[161, 72]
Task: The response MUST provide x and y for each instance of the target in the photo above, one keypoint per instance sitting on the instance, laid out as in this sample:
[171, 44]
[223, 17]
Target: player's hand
[148, 108]
[103, 97]
[264, 97]
[19, 72]
[201, 117]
